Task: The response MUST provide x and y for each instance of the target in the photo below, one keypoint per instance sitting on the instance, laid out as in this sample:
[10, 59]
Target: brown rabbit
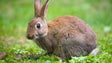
[64, 36]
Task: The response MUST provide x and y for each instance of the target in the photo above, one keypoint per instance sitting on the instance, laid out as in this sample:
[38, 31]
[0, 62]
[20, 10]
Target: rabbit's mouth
[32, 37]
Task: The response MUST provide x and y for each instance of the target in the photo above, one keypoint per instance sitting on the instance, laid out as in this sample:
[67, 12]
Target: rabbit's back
[72, 26]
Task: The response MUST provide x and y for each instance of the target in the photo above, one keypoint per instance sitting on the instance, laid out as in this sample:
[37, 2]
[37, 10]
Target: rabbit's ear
[44, 9]
[37, 6]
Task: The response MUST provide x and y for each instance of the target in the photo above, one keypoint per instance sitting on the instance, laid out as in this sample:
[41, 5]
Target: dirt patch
[3, 55]
[7, 39]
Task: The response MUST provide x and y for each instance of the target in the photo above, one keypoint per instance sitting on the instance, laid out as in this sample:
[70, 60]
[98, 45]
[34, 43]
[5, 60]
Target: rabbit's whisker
[35, 37]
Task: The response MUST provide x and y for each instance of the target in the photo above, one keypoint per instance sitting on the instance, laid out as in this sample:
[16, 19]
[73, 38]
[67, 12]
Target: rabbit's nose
[30, 36]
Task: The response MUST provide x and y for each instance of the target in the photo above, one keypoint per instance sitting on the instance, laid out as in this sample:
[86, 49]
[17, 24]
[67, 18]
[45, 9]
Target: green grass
[15, 15]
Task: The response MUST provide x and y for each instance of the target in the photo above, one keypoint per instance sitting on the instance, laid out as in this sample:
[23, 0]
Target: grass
[15, 15]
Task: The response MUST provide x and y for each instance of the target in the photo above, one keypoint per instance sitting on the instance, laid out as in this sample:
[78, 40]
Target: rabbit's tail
[95, 51]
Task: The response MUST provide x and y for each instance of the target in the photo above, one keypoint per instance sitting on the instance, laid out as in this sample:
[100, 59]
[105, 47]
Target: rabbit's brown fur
[64, 36]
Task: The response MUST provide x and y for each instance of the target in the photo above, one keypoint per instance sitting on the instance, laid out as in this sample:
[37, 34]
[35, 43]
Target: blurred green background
[15, 15]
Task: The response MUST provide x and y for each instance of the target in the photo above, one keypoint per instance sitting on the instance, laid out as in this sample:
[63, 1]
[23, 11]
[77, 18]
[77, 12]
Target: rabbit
[64, 36]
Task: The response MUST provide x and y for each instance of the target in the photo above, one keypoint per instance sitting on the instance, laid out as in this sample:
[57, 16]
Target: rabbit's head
[38, 27]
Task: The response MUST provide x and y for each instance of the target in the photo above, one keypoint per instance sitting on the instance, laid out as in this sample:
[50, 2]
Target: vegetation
[15, 15]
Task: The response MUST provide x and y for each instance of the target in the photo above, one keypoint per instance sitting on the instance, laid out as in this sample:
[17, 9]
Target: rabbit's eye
[38, 25]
